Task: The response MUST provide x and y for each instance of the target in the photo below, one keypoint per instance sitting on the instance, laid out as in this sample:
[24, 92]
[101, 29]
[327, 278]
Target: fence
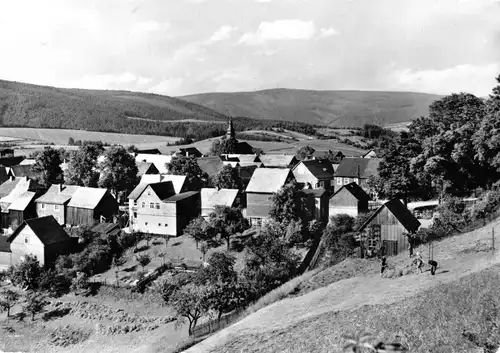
[216, 325]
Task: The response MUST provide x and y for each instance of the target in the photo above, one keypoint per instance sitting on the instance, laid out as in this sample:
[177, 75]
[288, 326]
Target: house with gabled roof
[88, 206]
[356, 170]
[350, 199]
[42, 237]
[278, 160]
[146, 168]
[389, 226]
[22, 208]
[178, 181]
[10, 191]
[314, 173]
[263, 184]
[159, 160]
[54, 201]
[211, 197]
[189, 152]
[370, 154]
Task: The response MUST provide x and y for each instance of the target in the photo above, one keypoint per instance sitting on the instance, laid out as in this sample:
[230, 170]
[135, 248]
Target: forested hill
[333, 108]
[28, 105]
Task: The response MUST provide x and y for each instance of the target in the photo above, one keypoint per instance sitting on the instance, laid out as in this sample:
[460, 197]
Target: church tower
[230, 130]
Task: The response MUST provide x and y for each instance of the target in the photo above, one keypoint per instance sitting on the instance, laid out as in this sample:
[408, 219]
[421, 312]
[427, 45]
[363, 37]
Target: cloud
[477, 79]
[147, 27]
[280, 30]
[223, 33]
[328, 32]
[167, 86]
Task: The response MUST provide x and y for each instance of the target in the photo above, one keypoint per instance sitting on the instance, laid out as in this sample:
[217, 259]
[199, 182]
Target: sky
[179, 47]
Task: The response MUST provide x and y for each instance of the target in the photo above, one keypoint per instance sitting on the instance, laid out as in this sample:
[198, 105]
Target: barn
[91, 205]
[350, 199]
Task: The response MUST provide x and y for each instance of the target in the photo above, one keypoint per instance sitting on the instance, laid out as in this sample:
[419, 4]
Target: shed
[211, 197]
[43, 237]
[22, 208]
[106, 229]
[350, 199]
[387, 226]
[91, 205]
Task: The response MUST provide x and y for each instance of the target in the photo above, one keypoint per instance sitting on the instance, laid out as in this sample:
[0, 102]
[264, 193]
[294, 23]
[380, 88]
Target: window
[339, 181]
[346, 181]
[135, 202]
[159, 224]
[145, 223]
[56, 207]
[135, 214]
[166, 225]
[151, 205]
[143, 205]
[356, 180]
[157, 205]
[149, 193]
[26, 240]
[43, 206]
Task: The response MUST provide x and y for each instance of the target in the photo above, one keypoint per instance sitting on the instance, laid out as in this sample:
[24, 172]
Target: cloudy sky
[178, 47]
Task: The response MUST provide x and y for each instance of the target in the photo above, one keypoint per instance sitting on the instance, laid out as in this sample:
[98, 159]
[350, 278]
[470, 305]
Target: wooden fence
[212, 326]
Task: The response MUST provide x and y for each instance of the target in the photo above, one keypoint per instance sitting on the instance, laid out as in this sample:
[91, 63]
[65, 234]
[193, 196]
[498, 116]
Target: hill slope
[333, 108]
[30, 105]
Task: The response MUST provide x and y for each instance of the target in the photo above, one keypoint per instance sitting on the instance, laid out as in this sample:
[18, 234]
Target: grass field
[412, 306]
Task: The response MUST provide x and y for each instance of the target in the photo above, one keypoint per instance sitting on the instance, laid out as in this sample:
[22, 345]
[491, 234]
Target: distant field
[398, 127]
[61, 136]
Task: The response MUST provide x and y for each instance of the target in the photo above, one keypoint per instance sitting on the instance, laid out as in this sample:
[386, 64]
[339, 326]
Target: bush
[26, 274]
[55, 283]
[80, 282]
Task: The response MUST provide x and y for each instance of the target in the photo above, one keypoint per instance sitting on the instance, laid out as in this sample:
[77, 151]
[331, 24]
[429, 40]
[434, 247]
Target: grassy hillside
[333, 108]
[426, 313]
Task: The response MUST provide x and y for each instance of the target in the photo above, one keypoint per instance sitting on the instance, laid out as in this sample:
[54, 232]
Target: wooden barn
[388, 226]
[10, 191]
[22, 208]
[350, 199]
[91, 205]
[55, 202]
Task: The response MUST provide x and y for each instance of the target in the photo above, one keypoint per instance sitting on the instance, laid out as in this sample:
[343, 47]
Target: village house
[314, 173]
[22, 208]
[28, 161]
[90, 205]
[245, 173]
[211, 197]
[188, 152]
[159, 161]
[388, 226]
[244, 160]
[317, 200]
[10, 191]
[54, 202]
[230, 161]
[278, 160]
[42, 237]
[356, 170]
[350, 199]
[157, 209]
[148, 151]
[370, 154]
[335, 157]
[6, 152]
[146, 168]
[106, 229]
[178, 181]
[262, 185]
[19, 171]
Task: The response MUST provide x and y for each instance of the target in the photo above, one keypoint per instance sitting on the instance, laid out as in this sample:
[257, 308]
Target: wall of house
[47, 209]
[338, 182]
[107, 207]
[160, 219]
[4, 219]
[187, 209]
[391, 230]
[80, 216]
[27, 243]
[258, 205]
[303, 175]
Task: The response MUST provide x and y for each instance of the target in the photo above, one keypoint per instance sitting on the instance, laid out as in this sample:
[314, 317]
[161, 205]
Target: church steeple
[230, 130]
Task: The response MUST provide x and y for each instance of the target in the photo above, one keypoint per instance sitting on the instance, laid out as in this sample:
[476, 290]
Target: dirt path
[457, 257]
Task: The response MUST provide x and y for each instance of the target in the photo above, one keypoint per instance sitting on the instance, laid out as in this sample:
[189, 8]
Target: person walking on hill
[434, 266]
[383, 265]
[420, 262]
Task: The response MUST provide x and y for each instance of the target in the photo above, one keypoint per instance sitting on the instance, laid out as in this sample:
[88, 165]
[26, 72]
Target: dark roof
[4, 245]
[47, 229]
[22, 170]
[321, 169]
[210, 165]
[149, 151]
[163, 189]
[58, 194]
[134, 195]
[181, 196]
[10, 161]
[191, 150]
[244, 148]
[402, 214]
[355, 190]
[349, 167]
[146, 167]
[315, 192]
[106, 228]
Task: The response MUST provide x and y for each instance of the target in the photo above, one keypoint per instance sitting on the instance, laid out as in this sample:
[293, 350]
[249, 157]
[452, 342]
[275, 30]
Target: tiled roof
[349, 167]
[402, 214]
[321, 169]
[54, 196]
[137, 192]
[163, 190]
[178, 181]
[268, 180]
[87, 198]
[181, 196]
[21, 171]
[212, 197]
[47, 229]
[7, 186]
[22, 201]
[277, 160]
[355, 190]
[15, 188]
[144, 167]
[106, 228]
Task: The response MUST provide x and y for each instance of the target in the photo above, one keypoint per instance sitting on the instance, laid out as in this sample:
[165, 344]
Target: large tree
[289, 204]
[82, 167]
[227, 178]
[227, 221]
[190, 302]
[305, 152]
[119, 171]
[195, 177]
[47, 167]
[224, 146]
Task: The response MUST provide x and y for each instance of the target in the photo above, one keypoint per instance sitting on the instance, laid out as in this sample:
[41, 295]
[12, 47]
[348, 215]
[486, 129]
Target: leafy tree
[224, 297]
[119, 171]
[227, 178]
[34, 303]
[188, 166]
[26, 274]
[201, 231]
[8, 298]
[224, 146]
[227, 221]
[190, 302]
[258, 151]
[143, 260]
[80, 282]
[71, 141]
[220, 269]
[339, 237]
[82, 166]
[54, 283]
[294, 232]
[305, 152]
[289, 204]
[47, 167]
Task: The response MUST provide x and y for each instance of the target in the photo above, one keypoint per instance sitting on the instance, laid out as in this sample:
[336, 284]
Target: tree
[201, 231]
[289, 204]
[190, 302]
[227, 221]
[258, 151]
[224, 146]
[8, 298]
[47, 167]
[143, 260]
[305, 153]
[339, 237]
[224, 297]
[26, 274]
[71, 141]
[195, 177]
[227, 178]
[119, 171]
[34, 303]
[82, 166]
[220, 269]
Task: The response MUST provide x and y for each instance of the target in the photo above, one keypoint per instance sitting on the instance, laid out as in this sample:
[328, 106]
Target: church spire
[230, 130]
